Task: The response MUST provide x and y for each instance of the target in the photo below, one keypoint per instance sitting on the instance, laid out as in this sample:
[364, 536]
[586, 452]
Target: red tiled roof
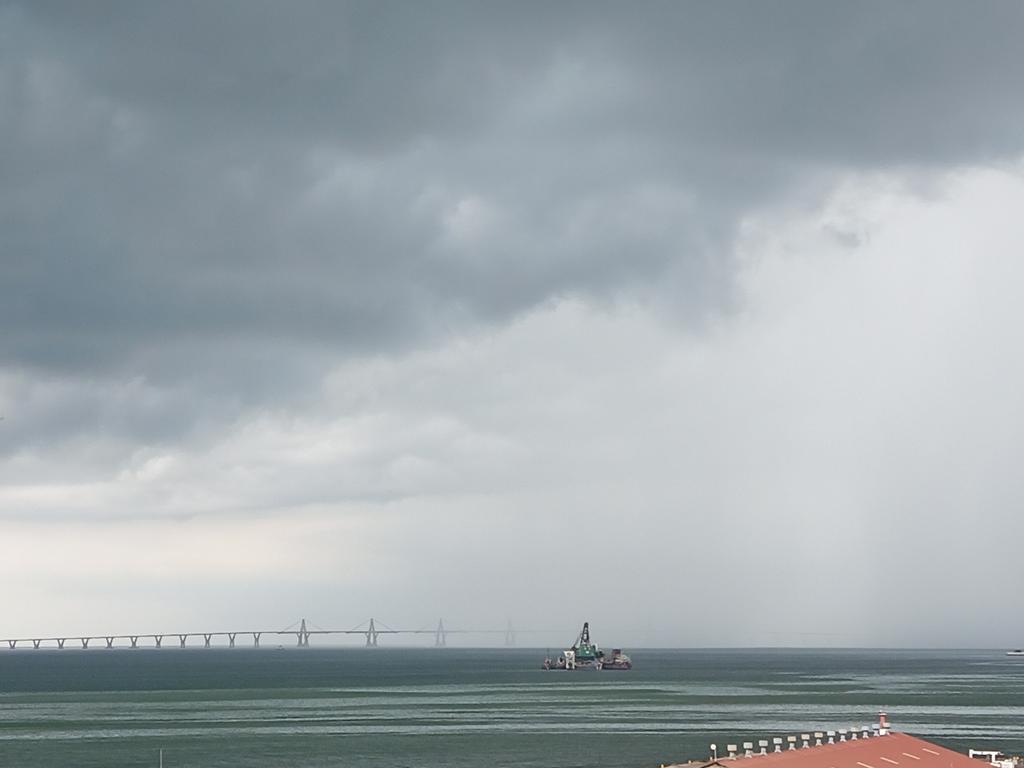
[894, 750]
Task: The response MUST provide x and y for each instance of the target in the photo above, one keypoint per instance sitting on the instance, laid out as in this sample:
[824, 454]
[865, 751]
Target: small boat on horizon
[1015, 652]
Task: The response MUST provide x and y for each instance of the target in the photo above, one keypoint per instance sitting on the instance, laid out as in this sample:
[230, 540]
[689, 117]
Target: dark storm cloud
[227, 192]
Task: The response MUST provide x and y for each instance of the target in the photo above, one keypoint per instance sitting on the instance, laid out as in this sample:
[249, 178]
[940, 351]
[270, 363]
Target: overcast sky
[700, 321]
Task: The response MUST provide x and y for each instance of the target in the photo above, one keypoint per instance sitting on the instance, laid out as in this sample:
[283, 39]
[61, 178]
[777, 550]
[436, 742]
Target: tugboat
[585, 654]
[618, 660]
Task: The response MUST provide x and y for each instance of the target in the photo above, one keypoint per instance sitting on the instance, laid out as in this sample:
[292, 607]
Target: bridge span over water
[371, 630]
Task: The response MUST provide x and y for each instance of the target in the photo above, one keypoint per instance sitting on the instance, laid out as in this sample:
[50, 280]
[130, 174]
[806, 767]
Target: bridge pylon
[441, 635]
[371, 635]
[510, 634]
[303, 635]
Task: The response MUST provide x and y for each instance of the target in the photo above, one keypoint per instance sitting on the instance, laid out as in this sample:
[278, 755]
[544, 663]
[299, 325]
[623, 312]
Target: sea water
[370, 708]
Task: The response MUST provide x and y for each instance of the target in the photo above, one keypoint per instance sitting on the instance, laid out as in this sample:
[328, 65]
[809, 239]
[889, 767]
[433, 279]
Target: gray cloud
[179, 175]
[385, 269]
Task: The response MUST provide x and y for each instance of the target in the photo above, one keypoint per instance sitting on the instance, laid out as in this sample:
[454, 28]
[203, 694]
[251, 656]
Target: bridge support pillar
[61, 641]
[206, 639]
[510, 634]
[303, 635]
[256, 639]
[85, 642]
[12, 643]
[110, 642]
[159, 640]
[231, 639]
[35, 643]
[441, 635]
[182, 639]
[371, 635]
[135, 640]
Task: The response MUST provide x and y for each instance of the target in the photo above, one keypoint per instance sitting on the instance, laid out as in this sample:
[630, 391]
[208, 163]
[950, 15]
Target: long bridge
[371, 629]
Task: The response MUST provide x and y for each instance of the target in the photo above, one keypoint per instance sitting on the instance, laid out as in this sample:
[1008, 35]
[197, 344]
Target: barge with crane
[584, 654]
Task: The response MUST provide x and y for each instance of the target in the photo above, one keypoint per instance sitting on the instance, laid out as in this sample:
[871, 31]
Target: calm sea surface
[370, 708]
